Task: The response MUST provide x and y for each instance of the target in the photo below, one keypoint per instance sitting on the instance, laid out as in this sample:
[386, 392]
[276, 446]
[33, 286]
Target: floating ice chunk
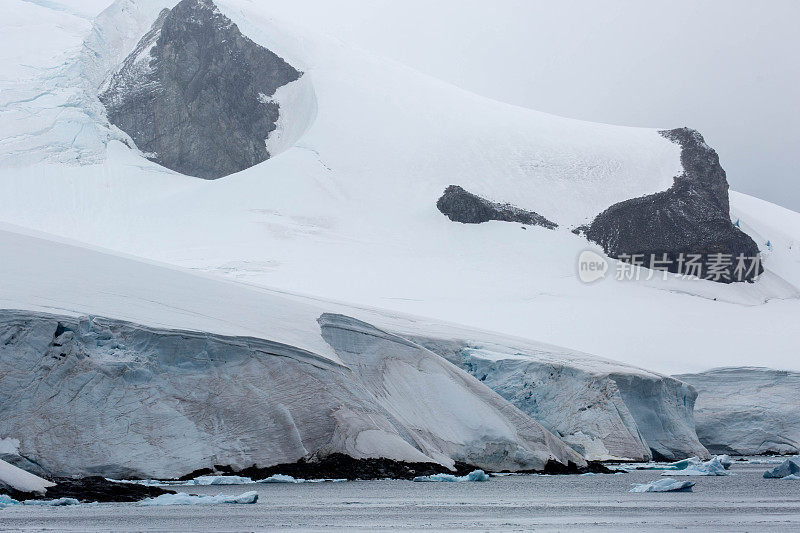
[725, 460]
[792, 476]
[664, 485]
[20, 480]
[695, 467]
[193, 499]
[475, 475]
[220, 480]
[60, 502]
[6, 500]
[790, 467]
[280, 478]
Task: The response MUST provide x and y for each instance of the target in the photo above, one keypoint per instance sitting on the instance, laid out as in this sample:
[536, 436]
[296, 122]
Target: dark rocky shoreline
[91, 489]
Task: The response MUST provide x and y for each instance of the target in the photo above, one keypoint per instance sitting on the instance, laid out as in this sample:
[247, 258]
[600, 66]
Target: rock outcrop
[93, 396]
[604, 410]
[688, 224]
[747, 410]
[195, 95]
[461, 206]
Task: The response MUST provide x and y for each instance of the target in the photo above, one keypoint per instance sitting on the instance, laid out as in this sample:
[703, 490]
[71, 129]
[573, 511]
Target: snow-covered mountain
[347, 177]
[346, 206]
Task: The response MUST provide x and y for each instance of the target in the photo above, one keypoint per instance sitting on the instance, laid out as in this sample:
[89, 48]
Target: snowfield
[346, 210]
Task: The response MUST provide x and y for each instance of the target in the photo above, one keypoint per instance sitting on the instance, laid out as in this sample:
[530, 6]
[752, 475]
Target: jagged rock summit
[195, 93]
[691, 218]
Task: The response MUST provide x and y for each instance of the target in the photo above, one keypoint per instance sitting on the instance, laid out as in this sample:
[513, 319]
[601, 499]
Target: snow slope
[347, 210]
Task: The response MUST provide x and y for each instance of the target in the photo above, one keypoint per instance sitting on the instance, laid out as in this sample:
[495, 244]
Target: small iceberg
[789, 469]
[664, 485]
[193, 499]
[475, 475]
[220, 480]
[696, 467]
[282, 478]
[60, 502]
[6, 500]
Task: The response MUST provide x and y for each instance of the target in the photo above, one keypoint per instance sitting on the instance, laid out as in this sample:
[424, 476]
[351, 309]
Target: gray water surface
[742, 502]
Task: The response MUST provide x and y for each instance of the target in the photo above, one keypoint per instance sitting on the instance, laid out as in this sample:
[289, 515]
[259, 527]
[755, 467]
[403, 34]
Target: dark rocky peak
[685, 226]
[195, 94]
[462, 206]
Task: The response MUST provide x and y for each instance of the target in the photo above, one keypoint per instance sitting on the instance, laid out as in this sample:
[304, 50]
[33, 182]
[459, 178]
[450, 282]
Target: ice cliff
[747, 410]
[603, 409]
[99, 396]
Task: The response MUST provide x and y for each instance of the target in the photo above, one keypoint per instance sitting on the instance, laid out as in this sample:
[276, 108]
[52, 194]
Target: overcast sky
[727, 68]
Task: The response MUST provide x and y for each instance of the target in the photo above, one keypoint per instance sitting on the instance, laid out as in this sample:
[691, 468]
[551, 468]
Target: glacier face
[604, 410]
[747, 410]
[101, 396]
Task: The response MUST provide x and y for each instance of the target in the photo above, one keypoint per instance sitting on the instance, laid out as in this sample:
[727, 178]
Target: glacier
[331, 378]
[747, 410]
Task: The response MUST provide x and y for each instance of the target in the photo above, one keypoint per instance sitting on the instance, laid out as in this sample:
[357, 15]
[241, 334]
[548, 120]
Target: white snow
[475, 475]
[365, 148]
[193, 499]
[664, 485]
[20, 480]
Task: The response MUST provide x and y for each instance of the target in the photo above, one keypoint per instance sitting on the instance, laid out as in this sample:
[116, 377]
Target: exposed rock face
[462, 206]
[747, 411]
[105, 397]
[194, 95]
[691, 217]
[604, 410]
